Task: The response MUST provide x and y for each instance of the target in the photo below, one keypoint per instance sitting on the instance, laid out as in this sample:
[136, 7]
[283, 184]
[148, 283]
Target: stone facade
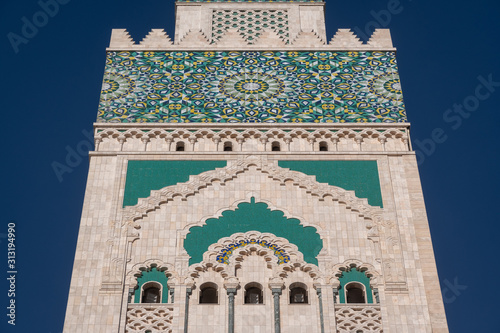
[319, 207]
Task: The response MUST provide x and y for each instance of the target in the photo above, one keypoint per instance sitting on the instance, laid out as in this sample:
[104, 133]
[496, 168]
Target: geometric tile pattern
[225, 253]
[251, 87]
[250, 23]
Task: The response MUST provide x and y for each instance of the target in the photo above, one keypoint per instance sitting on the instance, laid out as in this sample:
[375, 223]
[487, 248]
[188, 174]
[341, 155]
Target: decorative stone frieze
[338, 139]
[358, 318]
[156, 318]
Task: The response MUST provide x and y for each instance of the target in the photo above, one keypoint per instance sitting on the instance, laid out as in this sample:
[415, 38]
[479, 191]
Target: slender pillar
[335, 293]
[377, 296]
[277, 315]
[321, 317]
[231, 292]
[189, 291]
[171, 291]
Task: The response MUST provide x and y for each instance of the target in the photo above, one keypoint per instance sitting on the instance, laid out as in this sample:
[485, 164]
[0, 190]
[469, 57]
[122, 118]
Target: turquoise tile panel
[146, 176]
[358, 176]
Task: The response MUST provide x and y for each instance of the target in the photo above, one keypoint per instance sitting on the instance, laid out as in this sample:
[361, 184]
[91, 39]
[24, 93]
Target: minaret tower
[253, 175]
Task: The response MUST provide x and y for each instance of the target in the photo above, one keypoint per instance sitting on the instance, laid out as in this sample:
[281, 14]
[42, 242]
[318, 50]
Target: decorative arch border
[290, 228]
[132, 214]
[336, 271]
[137, 270]
[227, 247]
[279, 271]
[248, 199]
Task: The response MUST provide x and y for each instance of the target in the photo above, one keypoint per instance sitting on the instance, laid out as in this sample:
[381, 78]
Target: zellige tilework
[251, 87]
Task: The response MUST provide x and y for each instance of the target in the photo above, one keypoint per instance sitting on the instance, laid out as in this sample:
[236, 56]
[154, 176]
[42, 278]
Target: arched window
[179, 146]
[208, 293]
[253, 293]
[275, 146]
[323, 146]
[355, 293]
[152, 287]
[228, 146]
[355, 287]
[151, 293]
[298, 294]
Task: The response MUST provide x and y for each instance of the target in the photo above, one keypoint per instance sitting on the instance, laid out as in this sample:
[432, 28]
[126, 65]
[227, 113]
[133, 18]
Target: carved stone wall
[358, 317]
[153, 317]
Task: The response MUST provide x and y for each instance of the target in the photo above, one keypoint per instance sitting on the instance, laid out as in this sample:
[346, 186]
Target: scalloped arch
[253, 217]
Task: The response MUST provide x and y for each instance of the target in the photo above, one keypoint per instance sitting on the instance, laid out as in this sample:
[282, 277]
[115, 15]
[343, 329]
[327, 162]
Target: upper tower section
[251, 62]
[250, 19]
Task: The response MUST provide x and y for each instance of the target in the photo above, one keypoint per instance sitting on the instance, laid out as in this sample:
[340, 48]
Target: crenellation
[156, 38]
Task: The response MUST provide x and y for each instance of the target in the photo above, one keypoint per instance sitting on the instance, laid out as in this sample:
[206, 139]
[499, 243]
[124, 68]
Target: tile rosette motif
[251, 87]
[227, 252]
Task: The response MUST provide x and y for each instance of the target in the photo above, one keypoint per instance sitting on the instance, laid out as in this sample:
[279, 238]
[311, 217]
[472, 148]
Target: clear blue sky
[50, 92]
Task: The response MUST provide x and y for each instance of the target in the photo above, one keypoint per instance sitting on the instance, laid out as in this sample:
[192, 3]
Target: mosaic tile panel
[227, 252]
[250, 23]
[251, 87]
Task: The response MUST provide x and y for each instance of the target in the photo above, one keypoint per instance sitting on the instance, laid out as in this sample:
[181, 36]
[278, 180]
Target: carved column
[231, 292]
[277, 317]
[189, 291]
[321, 316]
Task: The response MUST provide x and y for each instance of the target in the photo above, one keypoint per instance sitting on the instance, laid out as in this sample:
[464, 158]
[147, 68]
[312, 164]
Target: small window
[275, 146]
[208, 294]
[228, 146]
[179, 146]
[355, 293]
[298, 295]
[253, 294]
[151, 295]
[323, 146]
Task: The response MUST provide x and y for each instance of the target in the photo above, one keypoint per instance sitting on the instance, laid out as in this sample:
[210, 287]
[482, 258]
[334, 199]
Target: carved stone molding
[280, 271]
[138, 268]
[336, 270]
[240, 135]
[132, 214]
